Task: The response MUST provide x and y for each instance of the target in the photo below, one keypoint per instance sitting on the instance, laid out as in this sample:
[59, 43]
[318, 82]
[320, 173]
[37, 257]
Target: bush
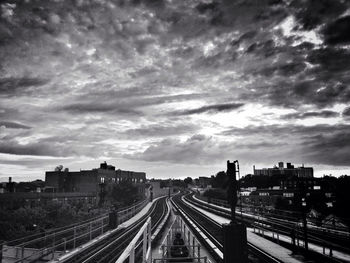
[124, 194]
[215, 193]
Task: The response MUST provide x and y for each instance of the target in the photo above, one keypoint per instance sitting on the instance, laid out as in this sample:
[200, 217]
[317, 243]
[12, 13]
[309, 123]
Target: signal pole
[235, 234]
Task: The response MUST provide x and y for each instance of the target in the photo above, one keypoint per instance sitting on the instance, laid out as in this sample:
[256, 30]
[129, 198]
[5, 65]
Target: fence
[129, 252]
[51, 245]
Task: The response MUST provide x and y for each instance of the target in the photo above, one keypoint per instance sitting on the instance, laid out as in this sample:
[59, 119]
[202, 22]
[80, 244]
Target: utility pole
[235, 234]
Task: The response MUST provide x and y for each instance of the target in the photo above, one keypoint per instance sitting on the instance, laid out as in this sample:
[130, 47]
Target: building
[91, 181]
[204, 182]
[133, 177]
[289, 170]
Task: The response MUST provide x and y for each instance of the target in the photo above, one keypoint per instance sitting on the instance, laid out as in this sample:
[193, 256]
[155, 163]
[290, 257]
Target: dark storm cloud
[346, 112]
[195, 150]
[310, 114]
[98, 107]
[288, 69]
[333, 61]
[331, 149]
[319, 144]
[13, 125]
[201, 149]
[19, 86]
[121, 61]
[123, 102]
[337, 32]
[160, 130]
[314, 13]
[276, 129]
[211, 109]
[302, 92]
[36, 148]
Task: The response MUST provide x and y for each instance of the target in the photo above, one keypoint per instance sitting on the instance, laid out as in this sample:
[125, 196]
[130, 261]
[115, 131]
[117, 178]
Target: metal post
[297, 235]
[64, 244]
[144, 244]
[193, 248]
[184, 233]
[74, 237]
[189, 238]
[132, 254]
[262, 230]
[53, 245]
[90, 230]
[199, 253]
[149, 241]
[22, 254]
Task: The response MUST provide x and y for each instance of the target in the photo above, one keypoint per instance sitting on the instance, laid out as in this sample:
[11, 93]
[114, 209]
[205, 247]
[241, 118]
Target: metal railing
[129, 252]
[56, 243]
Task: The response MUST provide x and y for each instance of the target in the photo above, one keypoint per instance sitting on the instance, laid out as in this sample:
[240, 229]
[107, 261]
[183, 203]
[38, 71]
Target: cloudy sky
[174, 87]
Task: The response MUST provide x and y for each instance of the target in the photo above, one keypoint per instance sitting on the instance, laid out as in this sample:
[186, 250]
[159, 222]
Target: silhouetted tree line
[124, 194]
[29, 220]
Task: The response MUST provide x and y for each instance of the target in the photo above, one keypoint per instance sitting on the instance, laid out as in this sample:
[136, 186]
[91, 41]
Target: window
[329, 195]
[288, 194]
[263, 194]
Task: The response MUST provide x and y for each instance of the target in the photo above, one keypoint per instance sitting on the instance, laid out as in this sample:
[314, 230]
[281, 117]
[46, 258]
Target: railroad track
[110, 248]
[280, 226]
[214, 232]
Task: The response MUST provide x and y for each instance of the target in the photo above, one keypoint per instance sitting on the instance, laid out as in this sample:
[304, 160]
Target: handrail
[145, 230]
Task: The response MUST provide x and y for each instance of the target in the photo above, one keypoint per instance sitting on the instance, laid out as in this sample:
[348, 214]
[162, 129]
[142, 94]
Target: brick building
[91, 181]
[289, 170]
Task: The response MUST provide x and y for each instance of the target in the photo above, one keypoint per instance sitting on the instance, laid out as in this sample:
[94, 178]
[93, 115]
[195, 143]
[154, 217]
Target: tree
[220, 180]
[188, 180]
[124, 193]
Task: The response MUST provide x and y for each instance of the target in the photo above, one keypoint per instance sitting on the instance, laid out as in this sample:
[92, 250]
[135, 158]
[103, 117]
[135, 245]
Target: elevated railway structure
[53, 243]
[111, 247]
[211, 234]
[199, 232]
[327, 241]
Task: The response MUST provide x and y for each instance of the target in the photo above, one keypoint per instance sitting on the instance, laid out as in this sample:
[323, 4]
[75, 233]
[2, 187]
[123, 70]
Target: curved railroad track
[280, 226]
[109, 249]
[213, 230]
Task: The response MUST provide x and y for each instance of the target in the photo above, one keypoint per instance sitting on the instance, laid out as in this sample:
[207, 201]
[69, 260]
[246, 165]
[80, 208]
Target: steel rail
[262, 255]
